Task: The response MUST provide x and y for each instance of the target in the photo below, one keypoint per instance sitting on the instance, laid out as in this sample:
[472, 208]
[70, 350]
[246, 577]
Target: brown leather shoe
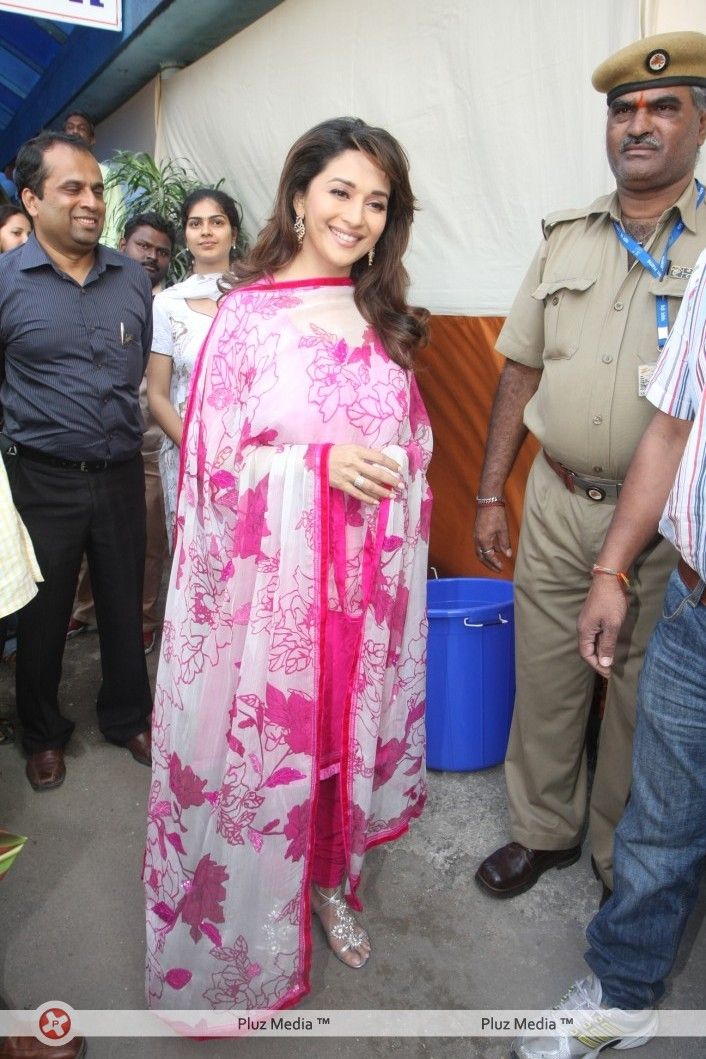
[140, 746]
[46, 770]
[514, 868]
[31, 1048]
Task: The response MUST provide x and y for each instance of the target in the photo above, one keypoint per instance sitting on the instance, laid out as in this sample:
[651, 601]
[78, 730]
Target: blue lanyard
[657, 269]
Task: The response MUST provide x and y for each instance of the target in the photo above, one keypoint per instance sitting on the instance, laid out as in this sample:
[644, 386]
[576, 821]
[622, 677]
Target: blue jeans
[660, 843]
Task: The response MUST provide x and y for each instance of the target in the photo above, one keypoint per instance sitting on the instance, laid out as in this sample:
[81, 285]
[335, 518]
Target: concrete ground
[71, 917]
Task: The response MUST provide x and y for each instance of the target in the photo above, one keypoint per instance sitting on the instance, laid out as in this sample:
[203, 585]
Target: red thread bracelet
[623, 578]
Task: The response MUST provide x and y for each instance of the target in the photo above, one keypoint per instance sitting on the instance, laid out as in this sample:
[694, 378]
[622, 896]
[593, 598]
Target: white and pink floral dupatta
[281, 587]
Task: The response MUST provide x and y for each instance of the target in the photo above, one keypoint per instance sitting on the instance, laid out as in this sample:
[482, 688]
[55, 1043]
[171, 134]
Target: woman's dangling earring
[299, 230]
[371, 256]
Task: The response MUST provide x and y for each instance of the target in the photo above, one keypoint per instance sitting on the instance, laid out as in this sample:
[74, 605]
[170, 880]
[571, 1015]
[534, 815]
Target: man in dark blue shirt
[75, 333]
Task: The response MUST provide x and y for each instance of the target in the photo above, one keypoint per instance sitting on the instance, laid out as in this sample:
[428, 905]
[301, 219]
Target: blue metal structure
[27, 48]
[46, 67]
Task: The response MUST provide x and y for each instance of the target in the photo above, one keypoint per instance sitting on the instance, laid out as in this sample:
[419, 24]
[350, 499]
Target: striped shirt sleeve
[671, 388]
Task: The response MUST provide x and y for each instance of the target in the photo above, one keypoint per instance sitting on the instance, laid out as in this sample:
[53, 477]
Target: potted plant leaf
[146, 185]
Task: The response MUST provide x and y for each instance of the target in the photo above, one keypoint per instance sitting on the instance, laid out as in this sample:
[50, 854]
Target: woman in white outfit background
[182, 318]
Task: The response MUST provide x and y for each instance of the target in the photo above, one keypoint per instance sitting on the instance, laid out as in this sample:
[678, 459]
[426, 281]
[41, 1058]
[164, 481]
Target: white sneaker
[595, 1027]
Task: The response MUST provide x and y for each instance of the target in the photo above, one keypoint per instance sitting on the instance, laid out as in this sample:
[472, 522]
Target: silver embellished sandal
[347, 939]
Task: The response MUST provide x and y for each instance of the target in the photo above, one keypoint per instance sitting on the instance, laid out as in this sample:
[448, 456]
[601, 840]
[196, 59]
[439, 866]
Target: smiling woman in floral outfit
[289, 711]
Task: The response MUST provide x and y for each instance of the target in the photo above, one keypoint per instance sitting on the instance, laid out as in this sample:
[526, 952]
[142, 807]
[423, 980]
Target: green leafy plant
[149, 186]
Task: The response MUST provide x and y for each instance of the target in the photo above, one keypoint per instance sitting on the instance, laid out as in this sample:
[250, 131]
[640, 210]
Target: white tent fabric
[665, 16]
[492, 101]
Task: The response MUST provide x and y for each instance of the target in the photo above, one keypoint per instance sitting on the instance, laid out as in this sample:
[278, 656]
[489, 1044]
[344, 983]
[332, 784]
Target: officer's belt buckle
[595, 493]
[596, 489]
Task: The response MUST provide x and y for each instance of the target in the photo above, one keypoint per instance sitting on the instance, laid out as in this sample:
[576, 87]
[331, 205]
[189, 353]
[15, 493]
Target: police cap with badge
[662, 60]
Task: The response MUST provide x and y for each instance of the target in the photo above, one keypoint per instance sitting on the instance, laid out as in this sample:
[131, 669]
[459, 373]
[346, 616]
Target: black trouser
[68, 512]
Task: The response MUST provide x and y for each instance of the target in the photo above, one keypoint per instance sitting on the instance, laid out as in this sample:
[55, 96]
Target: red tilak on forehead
[640, 102]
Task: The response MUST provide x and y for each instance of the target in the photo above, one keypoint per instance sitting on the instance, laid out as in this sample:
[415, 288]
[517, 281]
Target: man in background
[660, 843]
[149, 240]
[80, 124]
[75, 334]
[582, 339]
[7, 184]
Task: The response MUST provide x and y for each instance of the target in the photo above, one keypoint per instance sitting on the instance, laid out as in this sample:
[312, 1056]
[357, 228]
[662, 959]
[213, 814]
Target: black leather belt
[691, 579]
[36, 456]
[596, 489]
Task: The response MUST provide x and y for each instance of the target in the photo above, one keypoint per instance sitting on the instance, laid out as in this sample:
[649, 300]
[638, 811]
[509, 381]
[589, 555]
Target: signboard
[100, 14]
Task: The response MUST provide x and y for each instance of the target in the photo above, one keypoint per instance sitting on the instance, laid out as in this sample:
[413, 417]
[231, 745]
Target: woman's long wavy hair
[381, 288]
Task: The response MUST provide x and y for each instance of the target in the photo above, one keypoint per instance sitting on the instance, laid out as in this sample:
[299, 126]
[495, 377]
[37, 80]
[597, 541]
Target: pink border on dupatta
[371, 560]
[294, 284]
[321, 550]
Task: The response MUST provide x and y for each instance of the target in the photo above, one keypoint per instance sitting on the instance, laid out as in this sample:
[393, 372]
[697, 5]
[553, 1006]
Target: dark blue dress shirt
[74, 356]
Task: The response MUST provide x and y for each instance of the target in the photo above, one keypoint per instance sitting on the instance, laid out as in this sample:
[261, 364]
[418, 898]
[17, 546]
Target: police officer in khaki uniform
[581, 341]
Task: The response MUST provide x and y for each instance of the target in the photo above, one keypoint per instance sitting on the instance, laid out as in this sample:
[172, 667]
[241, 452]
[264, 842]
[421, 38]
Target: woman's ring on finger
[359, 481]
[486, 551]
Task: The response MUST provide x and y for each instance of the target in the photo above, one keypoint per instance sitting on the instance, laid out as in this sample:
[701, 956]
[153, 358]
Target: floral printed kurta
[282, 589]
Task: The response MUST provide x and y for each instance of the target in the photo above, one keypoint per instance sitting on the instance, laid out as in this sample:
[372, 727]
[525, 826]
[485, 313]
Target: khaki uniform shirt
[589, 322]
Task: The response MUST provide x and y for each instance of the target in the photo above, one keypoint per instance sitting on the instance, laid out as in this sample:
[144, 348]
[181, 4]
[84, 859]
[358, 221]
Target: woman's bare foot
[347, 939]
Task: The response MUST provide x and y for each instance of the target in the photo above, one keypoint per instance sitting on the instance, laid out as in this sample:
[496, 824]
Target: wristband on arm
[623, 578]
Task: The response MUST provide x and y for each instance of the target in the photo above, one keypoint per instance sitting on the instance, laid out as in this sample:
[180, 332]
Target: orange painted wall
[457, 374]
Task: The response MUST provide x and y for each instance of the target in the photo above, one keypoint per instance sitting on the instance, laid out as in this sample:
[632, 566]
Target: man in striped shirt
[660, 843]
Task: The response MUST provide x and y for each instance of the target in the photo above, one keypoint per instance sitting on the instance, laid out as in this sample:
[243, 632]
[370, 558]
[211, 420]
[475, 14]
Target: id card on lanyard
[659, 268]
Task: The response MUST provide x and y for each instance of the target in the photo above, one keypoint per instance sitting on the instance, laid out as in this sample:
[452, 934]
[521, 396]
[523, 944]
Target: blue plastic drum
[470, 672]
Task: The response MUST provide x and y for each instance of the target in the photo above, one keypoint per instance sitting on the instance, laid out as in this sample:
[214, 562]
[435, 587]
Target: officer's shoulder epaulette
[599, 206]
[563, 216]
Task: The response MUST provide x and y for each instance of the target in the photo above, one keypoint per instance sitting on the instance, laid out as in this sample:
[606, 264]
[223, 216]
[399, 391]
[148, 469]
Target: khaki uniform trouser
[156, 552]
[545, 767]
